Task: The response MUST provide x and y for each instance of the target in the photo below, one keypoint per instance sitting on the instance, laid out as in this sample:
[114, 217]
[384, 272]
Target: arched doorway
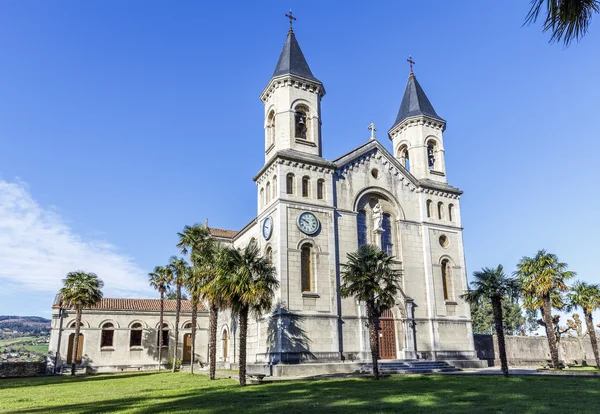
[225, 344]
[187, 349]
[79, 349]
[387, 334]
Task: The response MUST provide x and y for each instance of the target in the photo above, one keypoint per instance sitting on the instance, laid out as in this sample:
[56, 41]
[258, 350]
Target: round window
[375, 173]
[444, 241]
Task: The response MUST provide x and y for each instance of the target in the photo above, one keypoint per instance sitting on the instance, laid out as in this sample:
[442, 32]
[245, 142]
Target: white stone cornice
[416, 121]
[292, 81]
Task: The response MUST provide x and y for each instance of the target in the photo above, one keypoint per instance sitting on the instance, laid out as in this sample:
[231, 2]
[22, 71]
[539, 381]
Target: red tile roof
[222, 233]
[144, 305]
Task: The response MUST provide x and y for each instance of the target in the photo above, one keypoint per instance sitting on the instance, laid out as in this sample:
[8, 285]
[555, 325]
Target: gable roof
[292, 61]
[374, 145]
[228, 234]
[152, 305]
[415, 102]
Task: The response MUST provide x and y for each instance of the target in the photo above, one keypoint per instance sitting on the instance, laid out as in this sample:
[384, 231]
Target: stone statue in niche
[377, 217]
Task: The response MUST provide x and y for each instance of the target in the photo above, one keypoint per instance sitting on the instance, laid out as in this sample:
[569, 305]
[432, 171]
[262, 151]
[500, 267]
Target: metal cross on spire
[411, 63]
[292, 18]
[372, 128]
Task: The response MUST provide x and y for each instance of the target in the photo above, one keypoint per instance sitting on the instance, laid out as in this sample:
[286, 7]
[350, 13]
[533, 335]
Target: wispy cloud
[37, 249]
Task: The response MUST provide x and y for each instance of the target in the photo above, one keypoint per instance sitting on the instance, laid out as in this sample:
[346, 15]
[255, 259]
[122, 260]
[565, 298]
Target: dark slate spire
[292, 61]
[415, 102]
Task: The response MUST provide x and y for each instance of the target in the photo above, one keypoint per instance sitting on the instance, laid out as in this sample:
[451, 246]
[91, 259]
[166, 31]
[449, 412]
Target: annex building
[312, 212]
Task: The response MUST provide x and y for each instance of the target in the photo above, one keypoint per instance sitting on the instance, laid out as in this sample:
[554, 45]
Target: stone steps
[410, 367]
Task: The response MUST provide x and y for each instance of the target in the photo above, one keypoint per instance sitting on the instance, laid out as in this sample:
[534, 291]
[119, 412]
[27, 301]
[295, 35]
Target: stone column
[409, 351]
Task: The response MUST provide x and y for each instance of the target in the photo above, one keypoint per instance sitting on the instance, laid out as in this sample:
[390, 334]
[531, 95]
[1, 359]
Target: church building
[312, 212]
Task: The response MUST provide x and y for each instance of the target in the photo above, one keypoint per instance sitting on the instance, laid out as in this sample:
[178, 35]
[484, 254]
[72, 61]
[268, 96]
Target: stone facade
[121, 354]
[312, 323]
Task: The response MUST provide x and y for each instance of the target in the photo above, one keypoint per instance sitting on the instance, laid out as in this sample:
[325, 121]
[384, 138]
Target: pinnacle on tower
[292, 61]
[415, 102]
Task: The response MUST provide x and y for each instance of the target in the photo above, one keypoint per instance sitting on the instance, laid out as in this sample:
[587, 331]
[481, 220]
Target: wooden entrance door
[387, 335]
[79, 349]
[187, 348]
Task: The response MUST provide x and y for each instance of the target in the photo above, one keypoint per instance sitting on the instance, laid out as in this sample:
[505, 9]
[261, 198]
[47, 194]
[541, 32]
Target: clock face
[308, 223]
[267, 228]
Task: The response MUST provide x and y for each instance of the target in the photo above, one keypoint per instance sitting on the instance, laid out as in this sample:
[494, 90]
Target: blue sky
[120, 122]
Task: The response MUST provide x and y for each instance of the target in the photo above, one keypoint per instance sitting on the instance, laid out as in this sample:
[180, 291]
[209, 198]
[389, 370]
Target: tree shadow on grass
[411, 394]
[7, 383]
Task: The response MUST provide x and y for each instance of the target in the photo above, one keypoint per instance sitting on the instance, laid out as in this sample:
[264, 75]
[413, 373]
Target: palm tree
[542, 279]
[80, 290]
[568, 20]
[208, 264]
[371, 277]
[587, 297]
[202, 249]
[493, 285]
[194, 284]
[180, 269]
[160, 279]
[247, 282]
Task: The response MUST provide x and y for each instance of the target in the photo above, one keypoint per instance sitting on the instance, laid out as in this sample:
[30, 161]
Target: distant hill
[14, 326]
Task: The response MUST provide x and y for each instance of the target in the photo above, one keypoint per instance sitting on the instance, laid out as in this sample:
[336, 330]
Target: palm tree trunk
[592, 332]
[551, 335]
[160, 327]
[76, 341]
[194, 317]
[177, 310]
[212, 356]
[243, 333]
[497, 311]
[373, 319]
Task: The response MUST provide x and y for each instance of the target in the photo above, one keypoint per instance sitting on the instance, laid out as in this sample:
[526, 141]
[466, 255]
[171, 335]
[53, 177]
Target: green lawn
[179, 393]
[4, 342]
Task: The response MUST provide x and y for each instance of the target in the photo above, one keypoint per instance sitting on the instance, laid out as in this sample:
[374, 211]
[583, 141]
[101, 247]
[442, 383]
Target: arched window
[361, 224]
[320, 189]
[446, 277]
[108, 335]
[403, 156]
[275, 191]
[386, 237]
[305, 186]
[135, 337]
[451, 212]
[262, 197]
[270, 129]
[269, 254]
[305, 268]
[429, 202]
[187, 325]
[440, 210]
[289, 184]
[268, 192]
[165, 336]
[431, 154]
[301, 122]
[74, 324]
[225, 344]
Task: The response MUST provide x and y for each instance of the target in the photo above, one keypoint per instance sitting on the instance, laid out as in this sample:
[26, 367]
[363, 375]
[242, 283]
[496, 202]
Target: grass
[581, 368]
[181, 392]
[4, 342]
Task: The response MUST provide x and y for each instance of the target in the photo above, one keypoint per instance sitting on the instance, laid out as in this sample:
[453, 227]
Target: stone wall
[22, 369]
[531, 350]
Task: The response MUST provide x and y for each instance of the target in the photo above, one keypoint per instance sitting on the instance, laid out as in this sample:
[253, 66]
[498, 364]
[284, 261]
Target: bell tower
[292, 101]
[417, 134]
